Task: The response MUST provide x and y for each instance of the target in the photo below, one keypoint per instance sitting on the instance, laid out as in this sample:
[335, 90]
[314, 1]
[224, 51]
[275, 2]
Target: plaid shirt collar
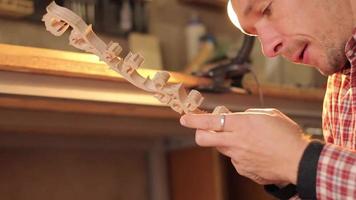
[350, 48]
[350, 52]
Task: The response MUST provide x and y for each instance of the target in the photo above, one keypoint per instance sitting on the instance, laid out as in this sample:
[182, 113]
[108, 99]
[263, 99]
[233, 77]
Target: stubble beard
[335, 58]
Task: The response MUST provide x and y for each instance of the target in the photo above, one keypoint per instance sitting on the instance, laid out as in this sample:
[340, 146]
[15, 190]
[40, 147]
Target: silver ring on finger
[222, 122]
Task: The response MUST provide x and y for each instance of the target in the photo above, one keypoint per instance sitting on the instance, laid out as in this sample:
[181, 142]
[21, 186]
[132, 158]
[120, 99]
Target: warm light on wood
[71, 64]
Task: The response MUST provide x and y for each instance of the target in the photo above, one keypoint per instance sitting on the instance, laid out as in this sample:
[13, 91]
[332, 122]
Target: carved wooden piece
[58, 19]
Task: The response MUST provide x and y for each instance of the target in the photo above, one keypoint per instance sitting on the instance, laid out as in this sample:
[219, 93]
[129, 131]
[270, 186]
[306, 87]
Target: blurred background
[164, 24]
[72, 129]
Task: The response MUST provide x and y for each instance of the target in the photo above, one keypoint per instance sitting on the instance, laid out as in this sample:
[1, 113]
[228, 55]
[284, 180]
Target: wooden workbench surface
[34, 79]
[82, 65]
[71, 64]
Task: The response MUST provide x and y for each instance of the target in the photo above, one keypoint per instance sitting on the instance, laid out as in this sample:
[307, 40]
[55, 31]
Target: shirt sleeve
[336, 173]
[326, 171]
[307, 170]
[306, 178]
[287, 192]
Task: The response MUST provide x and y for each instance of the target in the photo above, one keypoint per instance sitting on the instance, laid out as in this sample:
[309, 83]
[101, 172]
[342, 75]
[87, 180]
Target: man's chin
[327, 72]
[323, 71]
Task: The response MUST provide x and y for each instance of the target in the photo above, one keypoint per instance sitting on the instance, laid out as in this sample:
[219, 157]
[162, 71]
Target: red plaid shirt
[336, 172]
[335, 162]
[335, 165]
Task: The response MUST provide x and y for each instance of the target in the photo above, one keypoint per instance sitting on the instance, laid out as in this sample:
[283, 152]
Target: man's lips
[300, 56]
[306, 55]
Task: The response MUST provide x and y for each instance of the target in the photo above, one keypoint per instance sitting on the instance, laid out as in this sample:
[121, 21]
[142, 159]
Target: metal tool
[232, 71]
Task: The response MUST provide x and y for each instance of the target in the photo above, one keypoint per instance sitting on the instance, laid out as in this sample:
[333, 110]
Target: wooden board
[16, 8]
[196, 174]
[70, 64]
[71, 174]
[288, 92]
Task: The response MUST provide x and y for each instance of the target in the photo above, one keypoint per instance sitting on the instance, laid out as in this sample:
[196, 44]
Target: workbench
[70, 128]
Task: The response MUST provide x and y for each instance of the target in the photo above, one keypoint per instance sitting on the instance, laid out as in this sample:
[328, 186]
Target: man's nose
[271, 41]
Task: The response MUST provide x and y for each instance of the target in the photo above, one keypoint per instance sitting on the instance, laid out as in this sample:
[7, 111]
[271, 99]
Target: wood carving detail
[59, 19]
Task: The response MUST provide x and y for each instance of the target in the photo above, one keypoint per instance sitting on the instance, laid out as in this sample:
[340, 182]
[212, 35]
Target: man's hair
[233, 17]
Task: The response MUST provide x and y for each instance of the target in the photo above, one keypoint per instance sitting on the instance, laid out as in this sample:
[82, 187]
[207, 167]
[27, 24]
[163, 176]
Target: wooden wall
[72, 173]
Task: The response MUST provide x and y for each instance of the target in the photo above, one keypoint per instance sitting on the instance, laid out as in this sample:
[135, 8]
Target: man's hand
[263, 144]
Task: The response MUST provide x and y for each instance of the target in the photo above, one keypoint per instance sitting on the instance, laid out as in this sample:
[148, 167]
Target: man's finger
[211, 139]
[263, 110]
[226, 151]
[212, 122]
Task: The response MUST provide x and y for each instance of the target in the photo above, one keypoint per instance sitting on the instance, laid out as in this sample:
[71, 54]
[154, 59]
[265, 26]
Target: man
[265, 145]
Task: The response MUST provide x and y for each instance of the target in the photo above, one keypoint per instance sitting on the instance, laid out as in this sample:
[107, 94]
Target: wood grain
[42, 174]
[196, 174]
[84, 107]
[32, 60]
[287, 92]
[70, 64]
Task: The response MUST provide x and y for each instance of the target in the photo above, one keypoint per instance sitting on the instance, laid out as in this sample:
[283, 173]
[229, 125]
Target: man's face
[312, 32]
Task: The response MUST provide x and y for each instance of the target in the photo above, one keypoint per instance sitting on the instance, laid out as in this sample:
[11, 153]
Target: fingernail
[182, 121]
[198, 138]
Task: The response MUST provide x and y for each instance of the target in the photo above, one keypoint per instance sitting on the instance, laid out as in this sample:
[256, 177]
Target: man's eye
[268, 10]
